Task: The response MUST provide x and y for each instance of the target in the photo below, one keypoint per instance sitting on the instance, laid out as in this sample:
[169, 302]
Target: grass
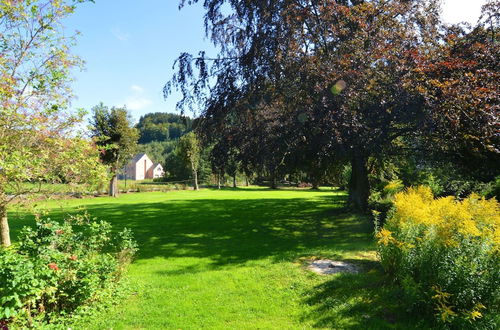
[234, 259]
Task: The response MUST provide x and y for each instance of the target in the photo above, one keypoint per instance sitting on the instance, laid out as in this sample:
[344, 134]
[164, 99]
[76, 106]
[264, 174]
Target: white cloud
[137, 103]
[137, 88]
[456, 11]
[119, 34]
[137, 100]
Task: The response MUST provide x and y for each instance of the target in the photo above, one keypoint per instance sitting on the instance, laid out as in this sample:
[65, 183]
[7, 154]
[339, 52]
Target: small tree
[190, 151]
[117, 139]
[34, 94]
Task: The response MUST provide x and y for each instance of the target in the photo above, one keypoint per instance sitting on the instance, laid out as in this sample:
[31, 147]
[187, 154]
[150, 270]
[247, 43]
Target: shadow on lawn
[230, 232]
[360, 301]
[233, 231]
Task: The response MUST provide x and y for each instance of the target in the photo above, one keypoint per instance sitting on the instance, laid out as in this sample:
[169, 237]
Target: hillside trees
[116, 138]
[161, 126]
[158, 151]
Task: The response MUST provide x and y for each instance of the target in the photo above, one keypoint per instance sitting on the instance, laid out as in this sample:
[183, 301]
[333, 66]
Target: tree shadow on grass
[360, 301]
[234, 231]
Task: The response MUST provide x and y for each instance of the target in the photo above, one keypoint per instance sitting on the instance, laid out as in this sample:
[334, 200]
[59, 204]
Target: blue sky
[129, 47]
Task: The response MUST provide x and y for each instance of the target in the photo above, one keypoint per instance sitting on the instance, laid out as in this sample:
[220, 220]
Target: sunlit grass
[232, 259]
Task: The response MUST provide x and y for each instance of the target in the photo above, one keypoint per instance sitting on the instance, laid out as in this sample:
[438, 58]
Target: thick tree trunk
[234, 181]
[315, 185]
[218, 180]
[246, 181]
[4, 227]
[274, 181]
[113, 186]
[359, 187]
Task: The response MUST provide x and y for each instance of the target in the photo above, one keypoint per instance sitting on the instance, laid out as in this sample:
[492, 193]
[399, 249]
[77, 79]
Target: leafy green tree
[117, 139]
[175, 167]
[37, 143]
[190, 151]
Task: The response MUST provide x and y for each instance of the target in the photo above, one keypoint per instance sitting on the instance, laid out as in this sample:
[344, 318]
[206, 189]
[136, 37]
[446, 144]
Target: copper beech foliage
[344, 79]
[459, 84]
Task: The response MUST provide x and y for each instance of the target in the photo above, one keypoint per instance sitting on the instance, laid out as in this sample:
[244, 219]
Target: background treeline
[161, 127]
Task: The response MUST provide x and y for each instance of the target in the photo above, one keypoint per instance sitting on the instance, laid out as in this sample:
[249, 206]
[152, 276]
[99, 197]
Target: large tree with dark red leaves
[459, 84]
[334, 77]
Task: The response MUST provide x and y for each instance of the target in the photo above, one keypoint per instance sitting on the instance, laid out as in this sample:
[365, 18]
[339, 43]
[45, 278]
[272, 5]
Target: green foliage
[189, 150]
[157, 151]
[444, 178]
[175, 167]
[381, 200]
[444, 253]
[115, 135]
[59, 267]
[39, 139]
[160, 127]
[492, 189]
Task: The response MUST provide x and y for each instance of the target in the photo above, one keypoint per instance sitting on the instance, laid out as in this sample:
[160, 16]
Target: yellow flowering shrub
[393, 187]
[445, 254]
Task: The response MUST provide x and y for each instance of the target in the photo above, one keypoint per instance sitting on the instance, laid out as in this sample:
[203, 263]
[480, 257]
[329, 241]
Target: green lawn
[232, 259]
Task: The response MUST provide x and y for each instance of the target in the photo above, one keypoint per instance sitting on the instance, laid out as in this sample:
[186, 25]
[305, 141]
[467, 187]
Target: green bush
[381, 199]
[492, 189]
[58, 267]
[445, 254]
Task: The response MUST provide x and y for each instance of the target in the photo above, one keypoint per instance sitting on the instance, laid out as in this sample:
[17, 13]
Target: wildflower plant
[445, 254]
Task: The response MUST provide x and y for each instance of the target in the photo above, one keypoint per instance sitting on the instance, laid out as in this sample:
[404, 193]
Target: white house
[156, 171]
[141, 167]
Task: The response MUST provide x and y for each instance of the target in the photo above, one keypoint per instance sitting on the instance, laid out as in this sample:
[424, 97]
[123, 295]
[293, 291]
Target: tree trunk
[218, 180]
[4, 227]
[113, 186]
[234, 180]
[195, 177]
[315, 185]
[246, 181]
[274, 182]
[359, 187]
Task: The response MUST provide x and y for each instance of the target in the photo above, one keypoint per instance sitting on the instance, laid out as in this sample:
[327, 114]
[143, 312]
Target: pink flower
[53, 266]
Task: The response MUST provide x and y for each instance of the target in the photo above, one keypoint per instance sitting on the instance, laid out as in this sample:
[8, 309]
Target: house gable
[138, 167]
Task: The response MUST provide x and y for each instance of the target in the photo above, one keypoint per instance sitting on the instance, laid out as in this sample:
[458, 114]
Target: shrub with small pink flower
[59, 267]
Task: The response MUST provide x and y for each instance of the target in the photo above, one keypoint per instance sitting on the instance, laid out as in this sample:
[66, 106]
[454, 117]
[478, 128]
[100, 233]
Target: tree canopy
[161, 127]
[38, 142]
[344, 80]
[190, 153]
[116, 138]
